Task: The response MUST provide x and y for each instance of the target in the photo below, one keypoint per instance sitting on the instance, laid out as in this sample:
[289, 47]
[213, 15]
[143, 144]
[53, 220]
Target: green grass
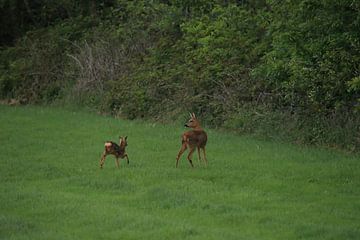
[52, 187]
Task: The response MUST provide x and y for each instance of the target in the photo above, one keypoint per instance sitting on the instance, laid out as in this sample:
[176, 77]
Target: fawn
[117, 150]
[192, 139]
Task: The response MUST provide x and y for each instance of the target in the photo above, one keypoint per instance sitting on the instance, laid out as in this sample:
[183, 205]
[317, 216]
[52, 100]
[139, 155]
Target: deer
[118, 151]
[195, 138]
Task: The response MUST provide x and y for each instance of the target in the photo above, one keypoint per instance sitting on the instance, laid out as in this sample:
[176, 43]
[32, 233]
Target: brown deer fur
[195, 138]
[118, 151]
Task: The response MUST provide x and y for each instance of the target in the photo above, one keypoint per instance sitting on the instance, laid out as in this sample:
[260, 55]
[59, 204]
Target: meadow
[52, 187]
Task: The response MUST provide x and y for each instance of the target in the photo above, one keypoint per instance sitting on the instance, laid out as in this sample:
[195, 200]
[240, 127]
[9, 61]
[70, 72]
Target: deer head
[123, 141]
[193, 122]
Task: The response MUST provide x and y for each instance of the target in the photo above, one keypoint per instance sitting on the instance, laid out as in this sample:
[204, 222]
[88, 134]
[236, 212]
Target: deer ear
[125, 137]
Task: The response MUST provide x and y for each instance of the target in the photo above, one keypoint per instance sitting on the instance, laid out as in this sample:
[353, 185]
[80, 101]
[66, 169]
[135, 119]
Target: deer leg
[102, 160]
[206, 162]
[117, 162]
[182, 150]
[198, 150]
[192, 149]
[127, 158]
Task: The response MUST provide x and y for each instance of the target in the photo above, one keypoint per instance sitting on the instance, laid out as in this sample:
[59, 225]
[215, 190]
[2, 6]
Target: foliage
[292, 63]
[315, 53]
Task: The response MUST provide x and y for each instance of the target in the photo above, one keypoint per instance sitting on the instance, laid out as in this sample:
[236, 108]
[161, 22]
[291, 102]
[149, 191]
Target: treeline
[280, 69]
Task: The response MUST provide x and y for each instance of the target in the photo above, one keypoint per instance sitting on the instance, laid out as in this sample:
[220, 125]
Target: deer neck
[197, 128]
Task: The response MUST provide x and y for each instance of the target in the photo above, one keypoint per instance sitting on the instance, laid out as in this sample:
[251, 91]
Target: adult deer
[195, 138]
[118, 151]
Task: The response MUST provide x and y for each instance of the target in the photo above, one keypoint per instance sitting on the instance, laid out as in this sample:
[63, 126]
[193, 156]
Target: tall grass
[52, 187]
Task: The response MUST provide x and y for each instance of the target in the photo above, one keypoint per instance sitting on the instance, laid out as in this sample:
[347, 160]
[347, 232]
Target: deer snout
[185, 125]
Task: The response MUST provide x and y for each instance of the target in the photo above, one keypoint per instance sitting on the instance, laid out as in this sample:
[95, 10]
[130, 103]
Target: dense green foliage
[52, 187]
[281, 69]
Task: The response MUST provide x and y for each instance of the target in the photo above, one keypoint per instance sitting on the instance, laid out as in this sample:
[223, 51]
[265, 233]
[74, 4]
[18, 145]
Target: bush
[281, 70]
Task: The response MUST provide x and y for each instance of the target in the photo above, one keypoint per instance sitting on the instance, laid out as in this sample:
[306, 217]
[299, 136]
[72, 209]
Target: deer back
[195, 138]
[113, 148]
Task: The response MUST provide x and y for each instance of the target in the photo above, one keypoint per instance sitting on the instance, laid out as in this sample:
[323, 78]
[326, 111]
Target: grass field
[52, 187]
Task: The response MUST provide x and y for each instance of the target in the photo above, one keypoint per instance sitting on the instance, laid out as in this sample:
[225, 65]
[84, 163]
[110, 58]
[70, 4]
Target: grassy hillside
[52, 187]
